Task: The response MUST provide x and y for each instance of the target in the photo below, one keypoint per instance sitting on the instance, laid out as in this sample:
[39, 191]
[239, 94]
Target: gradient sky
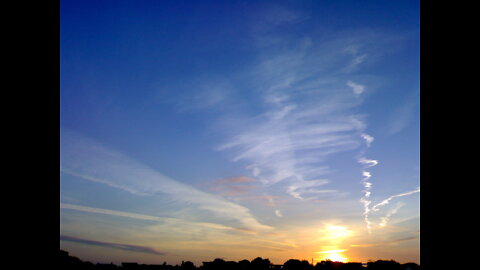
[195, 130]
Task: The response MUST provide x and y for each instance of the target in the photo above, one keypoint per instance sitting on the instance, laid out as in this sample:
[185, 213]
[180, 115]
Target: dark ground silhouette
[68, 262]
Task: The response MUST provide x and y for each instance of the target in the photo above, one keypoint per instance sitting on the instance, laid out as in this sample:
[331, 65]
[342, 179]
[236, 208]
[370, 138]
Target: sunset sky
[195, 130]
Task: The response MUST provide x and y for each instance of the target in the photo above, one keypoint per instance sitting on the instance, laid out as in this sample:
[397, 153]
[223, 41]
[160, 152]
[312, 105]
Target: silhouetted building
[130, 265]
[384, 265]
[352, 266]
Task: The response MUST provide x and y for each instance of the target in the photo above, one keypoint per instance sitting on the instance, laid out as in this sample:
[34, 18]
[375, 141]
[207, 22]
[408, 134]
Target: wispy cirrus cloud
[108, 212]
[306, 113]
[233, 187]
[386, 243]
[90, 160]
[403, 115]
[357, 88]
[165, 221]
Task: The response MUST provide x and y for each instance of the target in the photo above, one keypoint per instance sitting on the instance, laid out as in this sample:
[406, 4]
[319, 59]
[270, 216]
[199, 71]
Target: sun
[333, 255]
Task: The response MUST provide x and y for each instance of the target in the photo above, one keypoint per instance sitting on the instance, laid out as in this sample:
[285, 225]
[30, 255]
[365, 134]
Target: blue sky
[194, 130]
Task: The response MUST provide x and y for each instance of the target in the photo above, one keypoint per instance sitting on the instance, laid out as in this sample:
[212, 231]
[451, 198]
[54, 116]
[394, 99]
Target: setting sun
[333, 255]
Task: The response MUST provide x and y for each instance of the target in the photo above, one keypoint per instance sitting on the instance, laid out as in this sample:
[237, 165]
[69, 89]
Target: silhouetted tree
[410, 266]
[188, 265]
[260, 264]
[244, 264]
[294, 264]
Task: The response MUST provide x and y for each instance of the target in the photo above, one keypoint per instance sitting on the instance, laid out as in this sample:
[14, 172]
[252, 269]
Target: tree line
[69, 262]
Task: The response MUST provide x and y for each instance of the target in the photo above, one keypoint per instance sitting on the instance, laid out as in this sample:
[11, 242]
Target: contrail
[393, 211]
[386, 201]
[366, 198]
[368, 185]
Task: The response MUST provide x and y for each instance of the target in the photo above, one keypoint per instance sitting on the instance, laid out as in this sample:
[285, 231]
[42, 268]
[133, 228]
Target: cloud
[199, 93]
[109, 212]
[391, 212]
[90, 160]
[174, 222]
[269, 18]
[304, 187]
[366, 199]
[357, 88]
[304, 119]
[283, 144]
[403, 115]
[383, 243]
[368, 162]
[357, 60]
[125, 247]
[386, 201]
[233, 187]
[368, 139]
[236, 180]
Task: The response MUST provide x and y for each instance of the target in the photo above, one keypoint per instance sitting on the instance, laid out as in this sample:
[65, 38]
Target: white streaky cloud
[368, 162]
[166, 220]
[368, 139]
[305, 187]
[391, 212]
[208, 94]
[93, 161]
[403, 116]
[304, 111]
[281, 144]
[278, 213]
[365, 200]
[356, 61]
[292, 191]
[386, 201]
[109, 212]
[357, 88]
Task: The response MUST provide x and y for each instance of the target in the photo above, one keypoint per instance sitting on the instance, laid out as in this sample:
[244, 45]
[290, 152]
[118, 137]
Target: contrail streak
[366, 198]
[386, 201]
[368, 185]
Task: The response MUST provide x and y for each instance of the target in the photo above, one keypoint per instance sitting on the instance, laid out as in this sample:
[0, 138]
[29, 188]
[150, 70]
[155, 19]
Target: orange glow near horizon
[333, 237]
[333, 255]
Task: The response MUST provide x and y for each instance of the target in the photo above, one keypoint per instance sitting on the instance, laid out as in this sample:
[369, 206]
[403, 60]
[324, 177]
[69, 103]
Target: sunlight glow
[333, 255]
[338, 232]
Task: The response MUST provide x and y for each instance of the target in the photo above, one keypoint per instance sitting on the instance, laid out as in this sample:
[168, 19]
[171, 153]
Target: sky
[195, 130]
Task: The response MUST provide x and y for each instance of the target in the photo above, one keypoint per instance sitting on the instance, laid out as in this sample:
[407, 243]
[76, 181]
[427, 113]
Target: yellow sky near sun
[197, 241]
